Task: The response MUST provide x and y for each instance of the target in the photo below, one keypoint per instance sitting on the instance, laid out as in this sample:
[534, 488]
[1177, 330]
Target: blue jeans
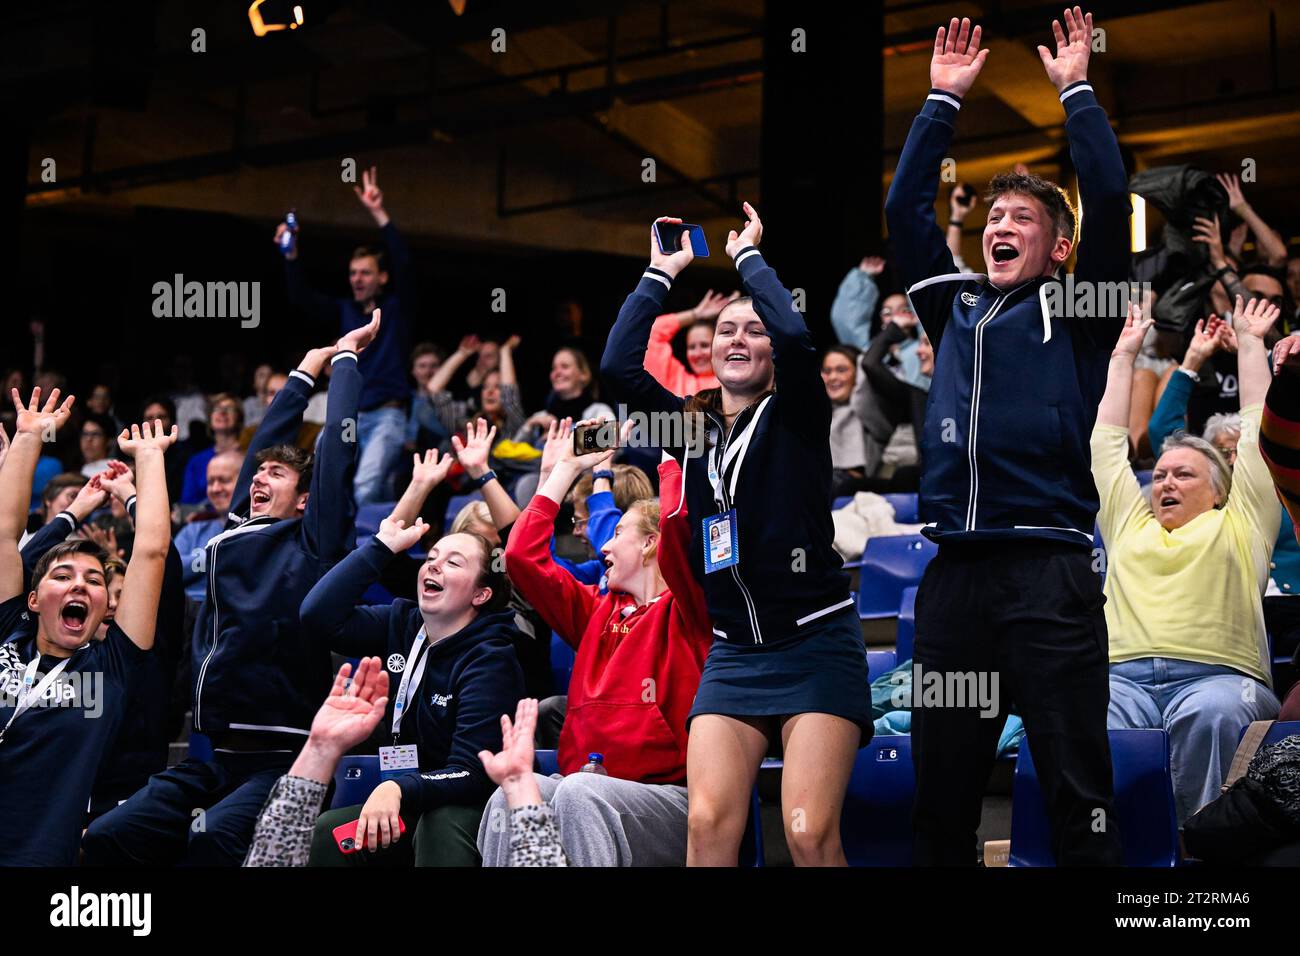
[1202, 707]
[380, 434]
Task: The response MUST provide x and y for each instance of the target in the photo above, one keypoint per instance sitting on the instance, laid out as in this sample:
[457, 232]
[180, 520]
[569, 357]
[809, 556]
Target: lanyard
[411, 675]
[28, 694]
[735, 449]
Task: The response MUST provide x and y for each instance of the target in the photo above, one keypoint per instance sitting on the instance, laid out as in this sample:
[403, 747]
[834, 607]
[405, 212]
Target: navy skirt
[824, 671]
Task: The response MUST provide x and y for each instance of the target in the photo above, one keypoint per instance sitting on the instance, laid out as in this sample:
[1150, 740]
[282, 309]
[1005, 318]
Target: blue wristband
[603, 473]
[477, 483]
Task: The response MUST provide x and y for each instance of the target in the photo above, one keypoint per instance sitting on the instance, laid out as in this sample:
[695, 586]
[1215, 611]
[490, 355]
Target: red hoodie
[634, 676]
[660, 362]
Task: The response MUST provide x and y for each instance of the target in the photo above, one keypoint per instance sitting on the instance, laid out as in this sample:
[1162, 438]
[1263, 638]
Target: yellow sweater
[1195, 593]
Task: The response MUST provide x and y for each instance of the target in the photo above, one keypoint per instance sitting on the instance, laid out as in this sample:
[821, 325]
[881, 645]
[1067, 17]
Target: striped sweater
[1279, 439]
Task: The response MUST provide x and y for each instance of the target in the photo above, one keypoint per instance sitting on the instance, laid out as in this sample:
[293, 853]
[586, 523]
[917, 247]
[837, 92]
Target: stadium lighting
[1138, 224]
[261, 28]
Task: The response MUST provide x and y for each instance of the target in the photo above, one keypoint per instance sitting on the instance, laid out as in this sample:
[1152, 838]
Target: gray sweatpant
[603, 821]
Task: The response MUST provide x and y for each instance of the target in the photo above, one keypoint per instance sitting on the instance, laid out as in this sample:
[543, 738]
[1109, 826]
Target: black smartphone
[669, 237]
[965, 195]
[599, 437]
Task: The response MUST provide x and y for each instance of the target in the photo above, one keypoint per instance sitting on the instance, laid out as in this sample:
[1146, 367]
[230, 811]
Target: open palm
[957, 58]
[1073, 47]
[352, 711]
[1256, 318]
[37, 419]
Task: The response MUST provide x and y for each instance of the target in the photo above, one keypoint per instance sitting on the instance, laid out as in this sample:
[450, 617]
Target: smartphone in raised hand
[669, 237]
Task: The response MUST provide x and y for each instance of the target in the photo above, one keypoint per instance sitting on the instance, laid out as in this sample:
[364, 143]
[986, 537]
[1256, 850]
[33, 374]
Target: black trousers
[195, 814]
[1028, 612]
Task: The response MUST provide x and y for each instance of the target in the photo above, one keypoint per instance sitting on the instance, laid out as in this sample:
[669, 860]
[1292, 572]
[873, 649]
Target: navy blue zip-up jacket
[788, 575]
[383, 363]
[472, 677]
[1016, 388]
[254, 667]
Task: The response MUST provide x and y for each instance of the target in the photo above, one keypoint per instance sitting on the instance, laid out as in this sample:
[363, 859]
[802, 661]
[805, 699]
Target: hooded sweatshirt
[471, 678]
[637, 668]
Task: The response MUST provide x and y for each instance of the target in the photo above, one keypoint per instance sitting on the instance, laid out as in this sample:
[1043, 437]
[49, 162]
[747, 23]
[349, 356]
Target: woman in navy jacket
[453, 671]
[789, 656]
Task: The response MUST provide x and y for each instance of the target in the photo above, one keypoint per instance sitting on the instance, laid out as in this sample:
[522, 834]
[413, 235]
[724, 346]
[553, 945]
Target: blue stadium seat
[354, 780]
[562, 656]
[1143, 477]
[370, 516]
[889, 565]
[548, 762]
[876, 823]
[1280, 729]
[880, 662]
[455, 504]
[841, 501]
[906, 507]
[377, 594]
[200, 747]
[906, 625]
[1144, 803]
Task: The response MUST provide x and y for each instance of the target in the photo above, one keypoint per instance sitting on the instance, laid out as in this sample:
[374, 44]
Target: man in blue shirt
[385, 394]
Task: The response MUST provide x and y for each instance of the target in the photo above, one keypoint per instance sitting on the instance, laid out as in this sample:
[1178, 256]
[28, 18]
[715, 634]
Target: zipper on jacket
[726, 506]
[976, 381]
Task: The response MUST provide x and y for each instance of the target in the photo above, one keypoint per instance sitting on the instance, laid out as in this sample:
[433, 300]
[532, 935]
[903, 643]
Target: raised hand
[371, 196]
[956, 210]
[1207, 231]
[1073, 47]
[515, 760]
[957, 58]
[1232, 186]
[1256, 318]
[473, 452]
[707, 308]
[1286, 354]
[872, 265]
[90, 497]
[1207, 338]
[559, 439]
[313, 363]
[1135, 330]
[358, 339]
[430, 470]
[397, 537]
[469, 345]
[42, 421]
[592, 459]
[750, 235]
[511, 343]
[672, 262]
[106, 538]
[353, 708]
[145, 436]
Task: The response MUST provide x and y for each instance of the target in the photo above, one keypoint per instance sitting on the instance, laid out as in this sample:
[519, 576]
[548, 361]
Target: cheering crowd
[214, 559]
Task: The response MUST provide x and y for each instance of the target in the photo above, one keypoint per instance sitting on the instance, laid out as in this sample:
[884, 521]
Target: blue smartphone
[669, 237]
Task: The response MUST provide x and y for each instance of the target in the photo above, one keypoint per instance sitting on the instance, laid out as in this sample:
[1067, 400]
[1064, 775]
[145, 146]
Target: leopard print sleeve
[534, 840]
[284, 827]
